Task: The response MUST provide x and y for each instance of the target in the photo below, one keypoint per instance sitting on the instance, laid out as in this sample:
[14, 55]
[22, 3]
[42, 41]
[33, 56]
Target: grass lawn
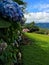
[38, 52]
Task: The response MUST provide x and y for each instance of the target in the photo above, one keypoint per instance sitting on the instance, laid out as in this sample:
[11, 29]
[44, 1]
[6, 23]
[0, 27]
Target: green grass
[38, 52]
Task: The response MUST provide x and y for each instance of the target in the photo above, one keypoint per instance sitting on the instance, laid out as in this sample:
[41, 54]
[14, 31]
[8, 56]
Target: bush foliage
[8, 34]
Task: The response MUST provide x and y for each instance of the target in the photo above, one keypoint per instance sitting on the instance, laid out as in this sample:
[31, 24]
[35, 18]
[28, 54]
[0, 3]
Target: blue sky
[32, 3]
[37, 10]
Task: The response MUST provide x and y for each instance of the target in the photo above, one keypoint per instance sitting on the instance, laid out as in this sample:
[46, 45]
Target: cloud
[38, 7]
[41, 6]
[37, 17]
[38, 13]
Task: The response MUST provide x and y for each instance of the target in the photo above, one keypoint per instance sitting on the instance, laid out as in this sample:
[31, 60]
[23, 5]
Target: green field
[37, 53]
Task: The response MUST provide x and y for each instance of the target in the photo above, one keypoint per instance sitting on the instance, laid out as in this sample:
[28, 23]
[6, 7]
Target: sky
[37, 10]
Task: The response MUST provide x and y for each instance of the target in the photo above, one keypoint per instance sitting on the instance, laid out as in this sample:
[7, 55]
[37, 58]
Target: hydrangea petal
[11, 10]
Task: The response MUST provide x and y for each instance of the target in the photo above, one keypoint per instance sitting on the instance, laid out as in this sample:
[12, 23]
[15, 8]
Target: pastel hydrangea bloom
[10, 10]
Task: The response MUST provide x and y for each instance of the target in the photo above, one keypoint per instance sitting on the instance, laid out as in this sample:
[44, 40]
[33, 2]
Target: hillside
[43, 25]
[37, 53]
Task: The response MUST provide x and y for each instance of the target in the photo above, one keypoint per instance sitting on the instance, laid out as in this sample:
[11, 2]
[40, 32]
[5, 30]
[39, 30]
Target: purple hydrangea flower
[11, 10]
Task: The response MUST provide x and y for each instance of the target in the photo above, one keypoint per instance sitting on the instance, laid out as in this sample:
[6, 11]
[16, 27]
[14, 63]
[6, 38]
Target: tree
[20, 2]
[31, 26]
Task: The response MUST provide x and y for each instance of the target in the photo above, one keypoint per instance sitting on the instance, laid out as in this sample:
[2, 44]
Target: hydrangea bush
[12, 13]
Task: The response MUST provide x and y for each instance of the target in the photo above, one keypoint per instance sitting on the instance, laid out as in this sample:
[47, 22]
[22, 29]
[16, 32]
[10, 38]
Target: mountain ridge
[43, 25]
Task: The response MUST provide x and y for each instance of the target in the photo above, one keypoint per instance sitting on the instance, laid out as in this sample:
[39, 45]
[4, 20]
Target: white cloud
[41, 16]
[37, 17]
[40, 7]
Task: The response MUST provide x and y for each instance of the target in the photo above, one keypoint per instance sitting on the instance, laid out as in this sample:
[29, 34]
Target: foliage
[31, 26]
[43, 31]
[9, 55]
[20, 2]
[9, 34]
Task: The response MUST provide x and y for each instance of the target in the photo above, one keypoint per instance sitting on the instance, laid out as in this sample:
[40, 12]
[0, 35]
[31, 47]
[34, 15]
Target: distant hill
[43, 25]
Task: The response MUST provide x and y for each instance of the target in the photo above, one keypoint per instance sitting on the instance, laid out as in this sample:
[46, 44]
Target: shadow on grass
[35, 54]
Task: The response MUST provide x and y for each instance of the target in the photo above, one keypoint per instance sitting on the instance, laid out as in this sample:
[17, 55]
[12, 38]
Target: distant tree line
[31, 26]
[34, 28]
